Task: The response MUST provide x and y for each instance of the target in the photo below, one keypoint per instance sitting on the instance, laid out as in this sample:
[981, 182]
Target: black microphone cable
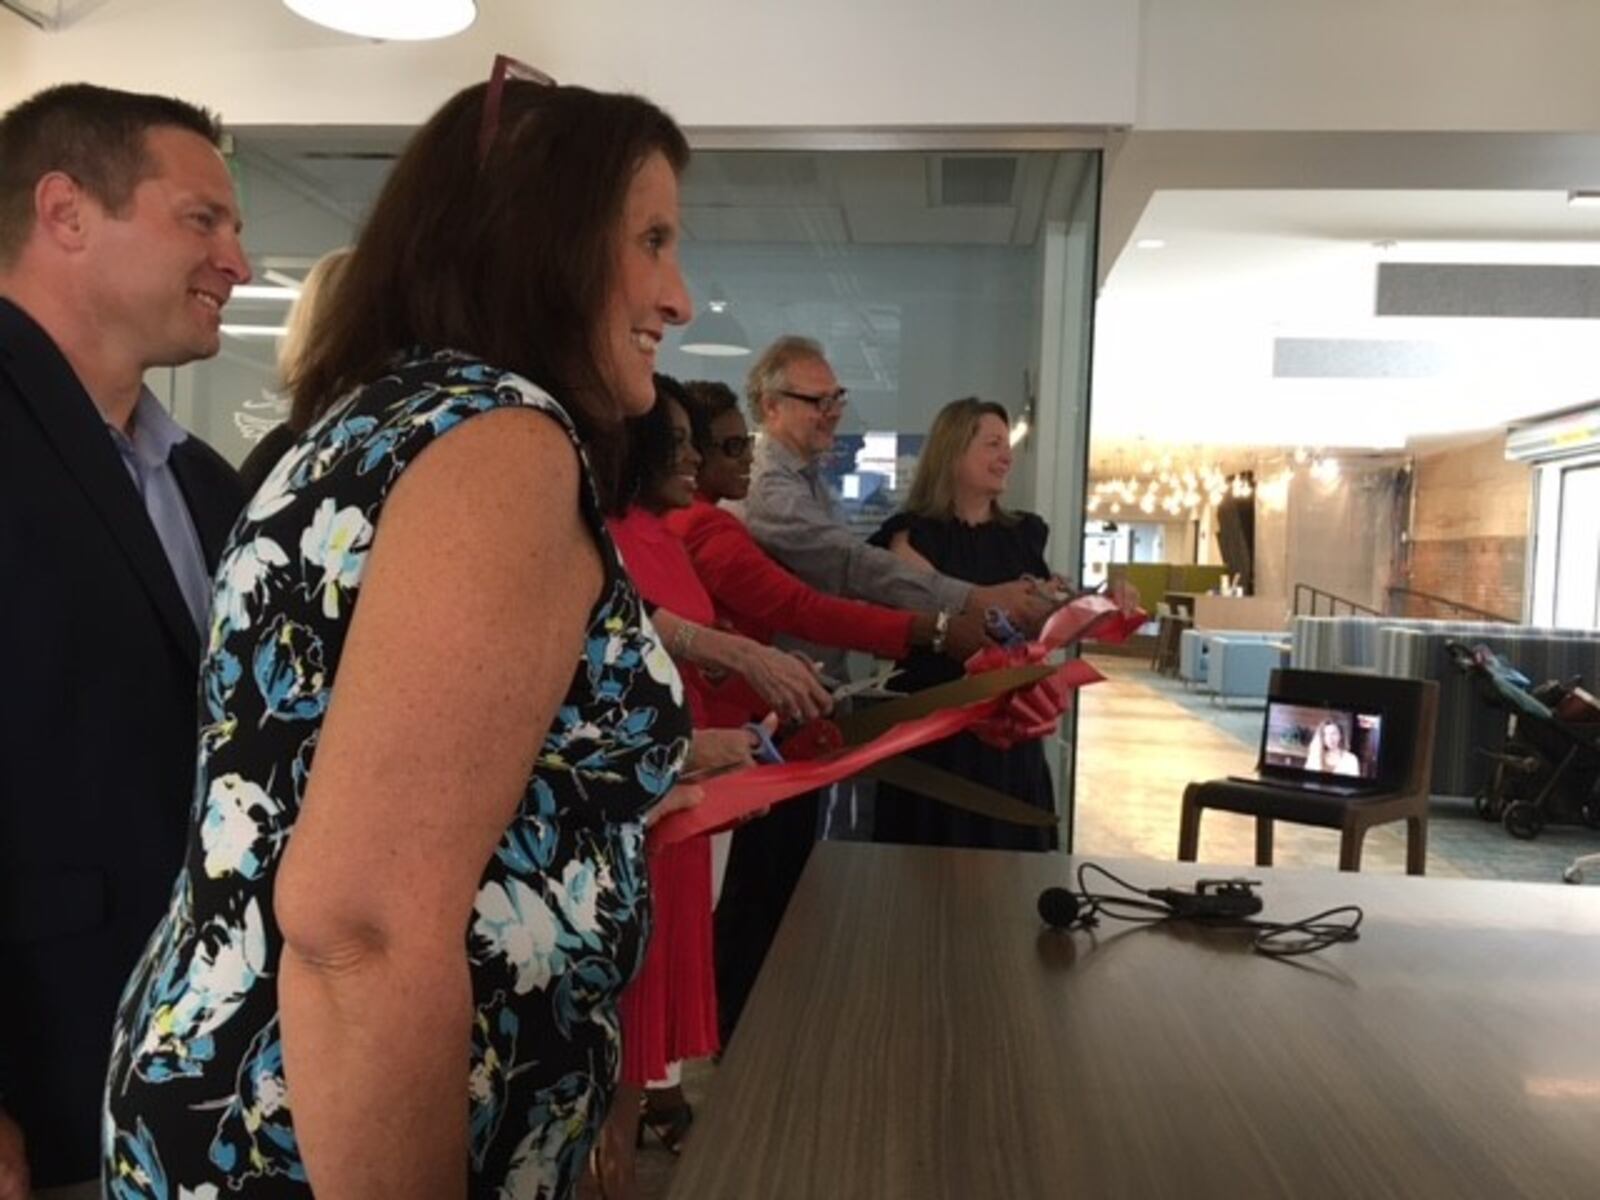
[1063, 908]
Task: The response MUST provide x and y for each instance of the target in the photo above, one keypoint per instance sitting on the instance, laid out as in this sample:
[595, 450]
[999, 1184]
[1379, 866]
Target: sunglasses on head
[505, 67]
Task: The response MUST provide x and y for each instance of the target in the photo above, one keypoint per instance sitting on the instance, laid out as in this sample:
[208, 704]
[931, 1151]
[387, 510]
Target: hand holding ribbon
[1035, 711]
[1031, 691]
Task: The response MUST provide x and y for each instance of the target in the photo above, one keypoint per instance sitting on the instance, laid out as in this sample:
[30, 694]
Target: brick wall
[1469, 529]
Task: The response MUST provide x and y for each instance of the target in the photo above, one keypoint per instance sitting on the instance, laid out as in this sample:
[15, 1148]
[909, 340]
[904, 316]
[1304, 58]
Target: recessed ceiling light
[246, 331]
[1150, 243]
[389, 20]
[1584, 199]
[264, 291]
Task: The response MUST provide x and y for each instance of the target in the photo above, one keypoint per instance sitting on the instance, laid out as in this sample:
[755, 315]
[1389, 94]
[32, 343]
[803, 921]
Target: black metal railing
[1455, 606]
[1337, 605]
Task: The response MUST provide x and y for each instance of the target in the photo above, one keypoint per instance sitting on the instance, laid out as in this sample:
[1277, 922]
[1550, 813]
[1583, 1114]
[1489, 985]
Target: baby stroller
[1548, 767]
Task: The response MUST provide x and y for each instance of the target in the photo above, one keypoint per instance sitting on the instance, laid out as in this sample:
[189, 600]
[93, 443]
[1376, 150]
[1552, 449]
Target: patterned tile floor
[1143, 737]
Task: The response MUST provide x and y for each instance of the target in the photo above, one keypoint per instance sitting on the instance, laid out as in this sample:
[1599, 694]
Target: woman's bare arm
[471, 616]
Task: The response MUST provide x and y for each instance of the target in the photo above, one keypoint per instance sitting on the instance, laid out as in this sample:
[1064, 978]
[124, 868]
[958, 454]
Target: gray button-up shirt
[794, 517]
[145, 456]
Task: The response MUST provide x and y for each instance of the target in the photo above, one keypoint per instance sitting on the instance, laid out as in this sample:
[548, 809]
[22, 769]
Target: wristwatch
[941, 630]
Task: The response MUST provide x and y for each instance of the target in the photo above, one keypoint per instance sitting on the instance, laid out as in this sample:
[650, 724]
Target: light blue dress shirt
[146, 454]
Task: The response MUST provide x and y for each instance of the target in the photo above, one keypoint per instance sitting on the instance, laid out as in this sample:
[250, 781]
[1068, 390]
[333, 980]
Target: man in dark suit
[119, 246]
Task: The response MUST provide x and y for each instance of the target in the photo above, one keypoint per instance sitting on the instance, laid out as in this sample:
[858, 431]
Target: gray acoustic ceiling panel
[1357, 358]
[1488, 290]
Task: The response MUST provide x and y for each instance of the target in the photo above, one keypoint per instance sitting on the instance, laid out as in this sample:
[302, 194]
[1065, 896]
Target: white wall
[1370, 65]
[1150, 64]
[710, 62]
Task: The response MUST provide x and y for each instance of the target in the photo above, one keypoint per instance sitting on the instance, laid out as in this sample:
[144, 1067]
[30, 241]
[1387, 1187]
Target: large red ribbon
[729, 799]
[1027, 711]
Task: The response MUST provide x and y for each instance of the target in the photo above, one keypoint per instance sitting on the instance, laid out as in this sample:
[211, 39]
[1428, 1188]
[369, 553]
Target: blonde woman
[953, 523]
[319, 283]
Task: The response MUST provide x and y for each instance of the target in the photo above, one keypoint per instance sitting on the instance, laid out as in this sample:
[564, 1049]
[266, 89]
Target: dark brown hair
[651, 452]
[511, 261]
[705, 400]
[94, 134]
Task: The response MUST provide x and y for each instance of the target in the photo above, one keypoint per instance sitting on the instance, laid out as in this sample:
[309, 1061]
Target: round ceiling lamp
[389, 20]
[716, 332]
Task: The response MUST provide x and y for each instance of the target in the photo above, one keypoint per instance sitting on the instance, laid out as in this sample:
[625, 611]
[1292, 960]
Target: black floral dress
[196, 1102]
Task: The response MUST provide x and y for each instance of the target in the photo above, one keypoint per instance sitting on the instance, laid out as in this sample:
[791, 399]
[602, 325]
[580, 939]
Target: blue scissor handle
[1001, 629]
[766, 751]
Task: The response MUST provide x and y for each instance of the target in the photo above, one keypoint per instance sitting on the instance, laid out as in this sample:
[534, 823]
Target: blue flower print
[658, 767]
[529, 846]
[219, 676]
[558, 1137]
[577, 897]
[336, 439]
[587, 984]
[241, 828]
[301, 769]
[133, 1168]
[242, 581]
[289, 671]
[194, 994]
[494, 1051]
[255, 1136]
[517, 925]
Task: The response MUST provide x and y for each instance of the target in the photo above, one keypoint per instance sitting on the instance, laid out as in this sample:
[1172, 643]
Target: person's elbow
[366, 927]
[331, 937]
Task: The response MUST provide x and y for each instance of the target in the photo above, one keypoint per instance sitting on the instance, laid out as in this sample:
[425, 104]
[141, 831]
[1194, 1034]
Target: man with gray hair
[796, 400]
[119, 247]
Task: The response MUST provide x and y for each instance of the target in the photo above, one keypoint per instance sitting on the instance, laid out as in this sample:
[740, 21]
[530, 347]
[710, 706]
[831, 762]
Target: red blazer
[760, 599]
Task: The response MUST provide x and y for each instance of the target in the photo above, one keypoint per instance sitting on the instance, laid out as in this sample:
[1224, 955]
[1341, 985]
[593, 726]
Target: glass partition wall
[929, 272]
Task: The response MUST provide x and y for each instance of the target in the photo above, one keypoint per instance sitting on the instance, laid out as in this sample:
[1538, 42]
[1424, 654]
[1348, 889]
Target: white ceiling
[1185, 333]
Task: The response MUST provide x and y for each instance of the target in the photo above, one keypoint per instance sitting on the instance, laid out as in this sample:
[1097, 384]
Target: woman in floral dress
[434, 713]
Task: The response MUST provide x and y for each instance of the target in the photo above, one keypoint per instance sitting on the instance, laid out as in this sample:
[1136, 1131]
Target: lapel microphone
[1233, 902]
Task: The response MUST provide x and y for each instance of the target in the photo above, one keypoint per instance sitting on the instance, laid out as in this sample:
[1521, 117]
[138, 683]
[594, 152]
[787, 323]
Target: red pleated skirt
[669, 1011]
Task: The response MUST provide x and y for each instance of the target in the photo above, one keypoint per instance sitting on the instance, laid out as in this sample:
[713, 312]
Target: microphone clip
[1214, 899]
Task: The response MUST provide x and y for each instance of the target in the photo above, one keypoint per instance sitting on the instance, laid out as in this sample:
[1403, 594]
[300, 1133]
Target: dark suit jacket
[99, 665]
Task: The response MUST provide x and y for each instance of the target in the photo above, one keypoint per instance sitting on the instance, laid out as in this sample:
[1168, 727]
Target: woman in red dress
[669, 1012]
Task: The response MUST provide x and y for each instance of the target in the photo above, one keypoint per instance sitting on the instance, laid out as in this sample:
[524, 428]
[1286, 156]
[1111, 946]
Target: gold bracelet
[683, 638]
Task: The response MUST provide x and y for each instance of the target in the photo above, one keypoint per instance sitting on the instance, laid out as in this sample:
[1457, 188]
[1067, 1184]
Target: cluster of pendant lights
[1182, 490]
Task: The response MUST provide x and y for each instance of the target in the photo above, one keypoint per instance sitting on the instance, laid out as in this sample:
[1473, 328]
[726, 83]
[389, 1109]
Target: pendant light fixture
[389, 20]
[716, 332]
